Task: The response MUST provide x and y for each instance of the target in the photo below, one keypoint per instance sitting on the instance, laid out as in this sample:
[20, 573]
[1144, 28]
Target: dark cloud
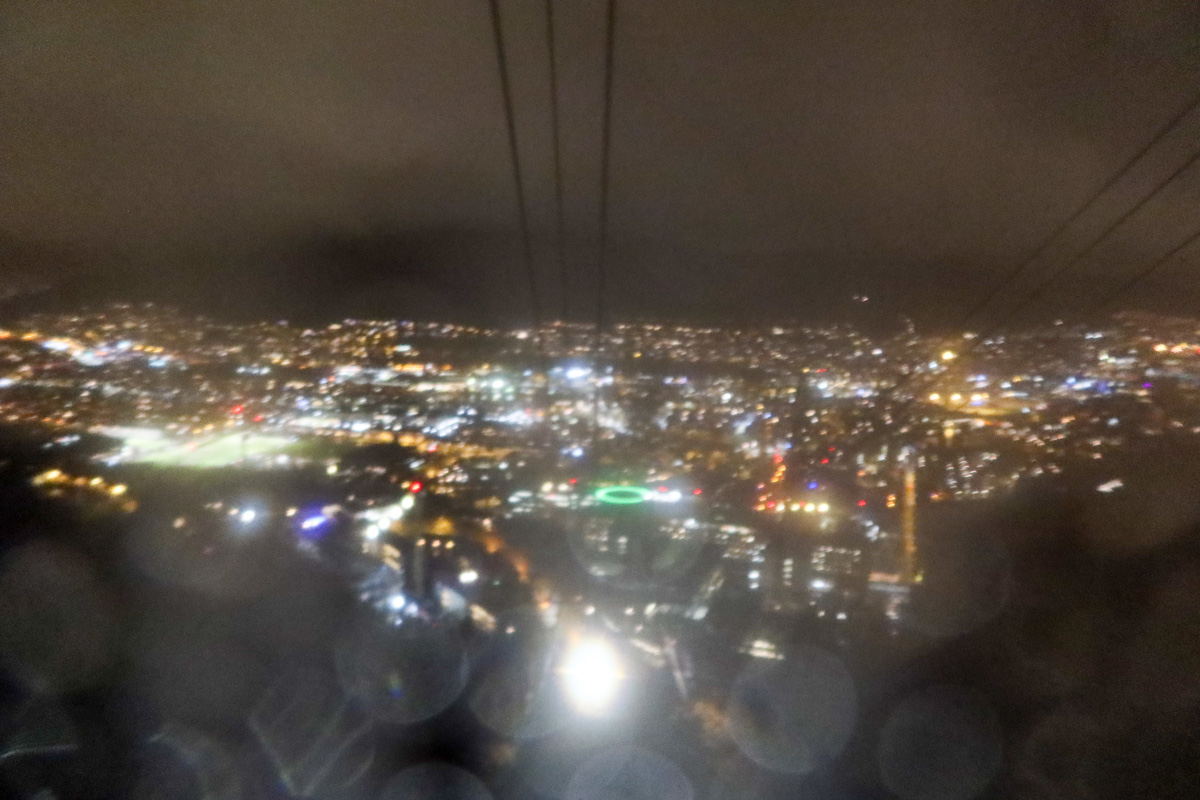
[770, 158]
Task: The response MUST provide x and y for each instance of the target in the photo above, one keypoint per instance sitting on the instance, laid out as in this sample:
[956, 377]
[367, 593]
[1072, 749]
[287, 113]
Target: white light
[248, 516]
[397, 602]
[468, 576]
[823, 508]
[591, 675]
[406, 502]
[371, 532]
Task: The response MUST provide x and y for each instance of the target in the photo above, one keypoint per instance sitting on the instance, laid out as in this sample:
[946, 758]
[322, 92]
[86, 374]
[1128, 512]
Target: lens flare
[592, 675]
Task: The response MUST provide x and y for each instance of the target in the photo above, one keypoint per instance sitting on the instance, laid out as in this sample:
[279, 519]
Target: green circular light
[622, 495]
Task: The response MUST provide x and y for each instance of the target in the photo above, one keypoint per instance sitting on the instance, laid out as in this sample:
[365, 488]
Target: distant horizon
[14, 311]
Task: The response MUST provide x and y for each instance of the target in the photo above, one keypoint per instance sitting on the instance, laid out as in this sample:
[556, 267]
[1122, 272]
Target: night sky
[770, 159]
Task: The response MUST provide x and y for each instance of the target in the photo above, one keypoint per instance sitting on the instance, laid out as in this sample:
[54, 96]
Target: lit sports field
[217, 451]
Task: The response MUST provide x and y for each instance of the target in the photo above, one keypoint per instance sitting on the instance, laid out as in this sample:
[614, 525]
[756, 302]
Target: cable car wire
[557, 151]
[515, 158]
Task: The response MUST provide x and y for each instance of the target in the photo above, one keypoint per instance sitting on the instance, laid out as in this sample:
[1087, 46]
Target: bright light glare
[468, 576]
[248, 516]
[591, 675]
[371, 532]
[311, 522]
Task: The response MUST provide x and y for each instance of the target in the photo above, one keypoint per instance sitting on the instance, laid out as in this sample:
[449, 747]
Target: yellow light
[810, 507]
[956, 398]
[934, 397]
[117, 490]
[591, 675]
[1160, 348]
[948, 355]
[823, 508]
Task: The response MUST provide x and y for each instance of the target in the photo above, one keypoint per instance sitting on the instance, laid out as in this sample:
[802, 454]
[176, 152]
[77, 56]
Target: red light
[778, 458]
[862, 503]
[416, 487]
[832, 449]
[771, 504]
[662, 488]
[236, 409]
[824, 460]
[573, 481]
[697, 491]
[258, 417]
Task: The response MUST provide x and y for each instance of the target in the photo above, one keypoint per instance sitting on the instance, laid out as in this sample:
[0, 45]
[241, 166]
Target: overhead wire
[602, 244]
[515, 159]
[1114, 294]
[1041, 249]
[556, 147]
[605, 149]
[1046, 243]
[1087, 251]
[1146, 272]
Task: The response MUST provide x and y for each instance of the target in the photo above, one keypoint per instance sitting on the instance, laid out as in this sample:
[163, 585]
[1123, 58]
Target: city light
[248, 516]
[591, 675]
[622, 495]
[468, 576]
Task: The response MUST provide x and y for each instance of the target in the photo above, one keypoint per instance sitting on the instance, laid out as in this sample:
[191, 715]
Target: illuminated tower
[908, 516]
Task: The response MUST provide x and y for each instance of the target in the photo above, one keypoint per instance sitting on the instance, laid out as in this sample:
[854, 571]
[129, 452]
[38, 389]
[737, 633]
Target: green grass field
[218, 451]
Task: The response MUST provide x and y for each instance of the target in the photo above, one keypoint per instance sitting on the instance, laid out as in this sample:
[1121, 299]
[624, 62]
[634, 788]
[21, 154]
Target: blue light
[314, 522]
[813, 484]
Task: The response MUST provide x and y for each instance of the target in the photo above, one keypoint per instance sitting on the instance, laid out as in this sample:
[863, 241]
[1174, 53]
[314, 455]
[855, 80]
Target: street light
[591, 674]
